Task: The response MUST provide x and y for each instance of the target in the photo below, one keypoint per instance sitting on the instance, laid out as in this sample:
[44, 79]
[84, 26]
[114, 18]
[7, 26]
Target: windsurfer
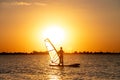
[61, 56]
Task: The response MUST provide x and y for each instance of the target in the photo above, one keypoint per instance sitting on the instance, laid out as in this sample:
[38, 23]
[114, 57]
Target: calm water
[36, 67]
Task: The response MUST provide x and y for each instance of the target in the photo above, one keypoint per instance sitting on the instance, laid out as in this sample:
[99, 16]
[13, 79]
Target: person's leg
[62, 60]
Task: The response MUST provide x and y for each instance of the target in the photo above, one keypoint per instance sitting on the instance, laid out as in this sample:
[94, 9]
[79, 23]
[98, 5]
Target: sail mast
[51, 44]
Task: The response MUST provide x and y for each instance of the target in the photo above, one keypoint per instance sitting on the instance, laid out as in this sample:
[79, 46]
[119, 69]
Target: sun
[55, 33]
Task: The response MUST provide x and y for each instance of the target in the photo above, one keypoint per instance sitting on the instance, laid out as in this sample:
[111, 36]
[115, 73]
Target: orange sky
[89, 25]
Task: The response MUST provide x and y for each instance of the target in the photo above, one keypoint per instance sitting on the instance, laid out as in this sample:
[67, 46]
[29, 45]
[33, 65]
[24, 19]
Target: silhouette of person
[61, 56]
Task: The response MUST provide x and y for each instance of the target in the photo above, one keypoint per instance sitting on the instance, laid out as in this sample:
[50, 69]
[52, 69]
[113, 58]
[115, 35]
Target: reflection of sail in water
[54, 58]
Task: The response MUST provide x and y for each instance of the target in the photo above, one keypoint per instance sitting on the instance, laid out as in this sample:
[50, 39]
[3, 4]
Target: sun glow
[55, 33]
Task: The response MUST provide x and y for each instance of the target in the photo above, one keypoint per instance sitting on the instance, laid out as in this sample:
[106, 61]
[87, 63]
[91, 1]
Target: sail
[54, 58]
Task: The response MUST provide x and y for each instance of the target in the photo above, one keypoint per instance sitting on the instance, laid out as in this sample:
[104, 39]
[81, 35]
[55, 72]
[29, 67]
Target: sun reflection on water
[54, 77]
[55, 73]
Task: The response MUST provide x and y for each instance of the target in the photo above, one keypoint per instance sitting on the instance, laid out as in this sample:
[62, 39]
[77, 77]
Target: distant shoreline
[39, 53]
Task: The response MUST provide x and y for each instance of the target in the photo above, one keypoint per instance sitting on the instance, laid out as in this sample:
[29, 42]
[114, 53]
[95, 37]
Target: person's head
[60, 48]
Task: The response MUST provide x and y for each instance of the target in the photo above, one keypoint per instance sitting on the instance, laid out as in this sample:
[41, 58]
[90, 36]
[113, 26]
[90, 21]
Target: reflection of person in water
[61, 56]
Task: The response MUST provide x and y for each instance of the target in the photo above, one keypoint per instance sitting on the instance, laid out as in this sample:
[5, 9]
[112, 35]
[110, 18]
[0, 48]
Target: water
[36, 67]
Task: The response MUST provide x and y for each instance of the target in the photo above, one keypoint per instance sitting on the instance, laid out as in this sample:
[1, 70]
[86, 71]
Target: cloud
[21, 3]
[15, 4]
[39, 4]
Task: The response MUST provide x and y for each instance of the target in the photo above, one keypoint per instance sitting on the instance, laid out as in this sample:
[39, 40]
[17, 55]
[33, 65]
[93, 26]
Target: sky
[89, 25]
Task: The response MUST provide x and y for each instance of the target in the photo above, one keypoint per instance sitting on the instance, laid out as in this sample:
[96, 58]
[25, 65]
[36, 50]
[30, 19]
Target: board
[70, 65]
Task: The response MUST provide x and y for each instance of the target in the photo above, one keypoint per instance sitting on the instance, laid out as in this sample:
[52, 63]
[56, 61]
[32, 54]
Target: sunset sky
[87, 25]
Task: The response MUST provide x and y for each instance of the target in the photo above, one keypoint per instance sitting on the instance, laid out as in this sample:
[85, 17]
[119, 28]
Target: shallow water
[36, 67]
